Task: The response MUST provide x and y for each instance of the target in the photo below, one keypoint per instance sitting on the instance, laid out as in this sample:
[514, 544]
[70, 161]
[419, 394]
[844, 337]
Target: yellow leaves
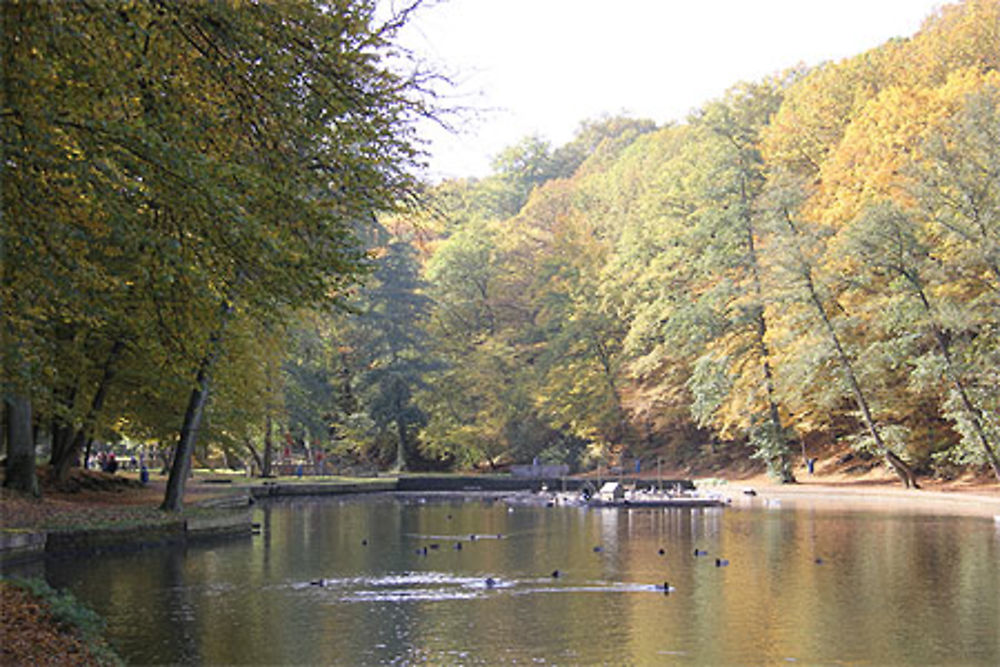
[962, 34]
[886, 136]
[816, 109]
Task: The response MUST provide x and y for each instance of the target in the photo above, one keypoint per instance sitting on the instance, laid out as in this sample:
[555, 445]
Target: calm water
[889, 589]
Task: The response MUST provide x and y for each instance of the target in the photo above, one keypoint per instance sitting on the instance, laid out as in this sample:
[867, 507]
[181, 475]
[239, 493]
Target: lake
[399, 579]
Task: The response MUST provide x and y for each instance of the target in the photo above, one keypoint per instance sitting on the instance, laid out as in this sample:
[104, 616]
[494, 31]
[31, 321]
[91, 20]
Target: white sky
[540, 67]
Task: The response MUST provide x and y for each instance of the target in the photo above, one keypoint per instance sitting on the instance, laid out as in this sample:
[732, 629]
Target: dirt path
[877, 489]
[846, 496]
[846, 485]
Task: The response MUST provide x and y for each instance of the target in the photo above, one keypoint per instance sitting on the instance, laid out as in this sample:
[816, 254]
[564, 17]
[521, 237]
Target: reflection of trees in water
[898, 588]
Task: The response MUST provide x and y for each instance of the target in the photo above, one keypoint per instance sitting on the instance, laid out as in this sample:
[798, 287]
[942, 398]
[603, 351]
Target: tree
[955, 183]
[730, 178]
[885, 240]
[193, 162]
[390, 338]
[575, 341]
[795, 246]
[597, 141]
[875, 188]
[20, 473]
[649, 280]
[521, 168]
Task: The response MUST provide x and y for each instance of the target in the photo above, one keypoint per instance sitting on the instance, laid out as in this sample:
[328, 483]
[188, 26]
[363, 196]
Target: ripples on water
[442, 586]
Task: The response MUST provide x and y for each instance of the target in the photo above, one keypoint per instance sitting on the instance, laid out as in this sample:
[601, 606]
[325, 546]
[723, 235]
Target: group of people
[108, 462]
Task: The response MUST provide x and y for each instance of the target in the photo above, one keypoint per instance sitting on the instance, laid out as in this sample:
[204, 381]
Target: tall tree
[20, 472]
[886, 240]
[730, 180]
[955, 182]
[391, 340]
[208, 155]
[796, 244]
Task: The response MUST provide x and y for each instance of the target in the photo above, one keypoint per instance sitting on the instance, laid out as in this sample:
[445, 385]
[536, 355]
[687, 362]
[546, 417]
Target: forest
[215, 247]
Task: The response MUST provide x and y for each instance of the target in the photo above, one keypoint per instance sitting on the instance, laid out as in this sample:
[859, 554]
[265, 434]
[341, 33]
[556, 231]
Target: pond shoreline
[23, 541]
[877, 498]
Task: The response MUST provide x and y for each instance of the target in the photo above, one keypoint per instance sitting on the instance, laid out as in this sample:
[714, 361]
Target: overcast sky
[540, 67]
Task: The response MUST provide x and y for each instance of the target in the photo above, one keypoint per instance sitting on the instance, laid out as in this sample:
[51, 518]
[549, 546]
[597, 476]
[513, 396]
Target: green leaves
[164, 159]
[785, 265]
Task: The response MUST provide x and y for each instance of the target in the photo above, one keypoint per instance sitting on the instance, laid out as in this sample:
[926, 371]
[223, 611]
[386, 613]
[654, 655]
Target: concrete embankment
[277, 489]
[24, 545]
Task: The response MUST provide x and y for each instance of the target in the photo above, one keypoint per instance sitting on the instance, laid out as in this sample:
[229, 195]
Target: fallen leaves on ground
[89, 499]
[29, 635]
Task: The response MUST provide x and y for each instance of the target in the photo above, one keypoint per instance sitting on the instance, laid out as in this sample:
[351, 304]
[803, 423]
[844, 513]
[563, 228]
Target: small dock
[680, 501]
[614, 494]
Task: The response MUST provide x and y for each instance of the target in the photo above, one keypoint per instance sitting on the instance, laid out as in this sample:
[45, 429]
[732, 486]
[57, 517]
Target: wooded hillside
[189, 193]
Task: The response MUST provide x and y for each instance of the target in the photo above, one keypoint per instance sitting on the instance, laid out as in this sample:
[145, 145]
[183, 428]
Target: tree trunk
[173, 500]
[86, 451]
[62, 442]
[20, 474]
[905, 473]
[974, 414]
[780, 465]
[257, 460]
[401, 446]
[69, 452]
[67, 457]
[623, 433]
[265, 469]
[400, 428]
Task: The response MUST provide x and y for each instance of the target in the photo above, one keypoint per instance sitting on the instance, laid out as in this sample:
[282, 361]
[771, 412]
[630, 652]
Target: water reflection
[379, 580]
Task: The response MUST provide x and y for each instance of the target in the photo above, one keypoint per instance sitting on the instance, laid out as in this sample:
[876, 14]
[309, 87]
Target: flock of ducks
[491, 582]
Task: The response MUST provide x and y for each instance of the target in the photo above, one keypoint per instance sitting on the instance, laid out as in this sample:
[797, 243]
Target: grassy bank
[42, 626]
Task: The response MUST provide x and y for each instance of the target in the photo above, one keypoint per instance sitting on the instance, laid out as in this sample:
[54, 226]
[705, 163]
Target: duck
[555, 574]
[662, 552]
[665, 587]
[490, 582]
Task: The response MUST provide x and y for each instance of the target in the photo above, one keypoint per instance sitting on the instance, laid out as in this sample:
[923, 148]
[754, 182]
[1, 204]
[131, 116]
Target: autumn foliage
[811, 259]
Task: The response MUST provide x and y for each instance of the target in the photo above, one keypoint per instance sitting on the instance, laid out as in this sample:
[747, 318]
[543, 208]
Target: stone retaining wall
[275, 489]
[19, 545]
